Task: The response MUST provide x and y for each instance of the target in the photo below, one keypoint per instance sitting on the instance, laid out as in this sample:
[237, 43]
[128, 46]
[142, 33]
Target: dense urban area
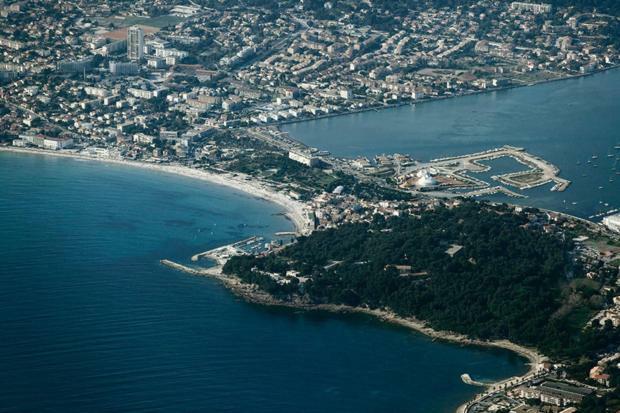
[204, 86]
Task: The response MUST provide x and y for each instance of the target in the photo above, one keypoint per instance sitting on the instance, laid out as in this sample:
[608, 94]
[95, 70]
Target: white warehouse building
[612, 222]
[304, 158]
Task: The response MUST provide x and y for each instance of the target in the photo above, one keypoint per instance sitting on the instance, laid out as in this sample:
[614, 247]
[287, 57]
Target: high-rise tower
[135, 43]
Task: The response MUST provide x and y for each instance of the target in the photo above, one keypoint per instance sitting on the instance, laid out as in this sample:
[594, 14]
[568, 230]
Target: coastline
[296, 213]
[294, 210]
[281, 124]
[252, 294]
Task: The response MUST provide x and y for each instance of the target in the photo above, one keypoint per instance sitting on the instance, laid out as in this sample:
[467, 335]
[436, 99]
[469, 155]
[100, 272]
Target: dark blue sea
[91, 322]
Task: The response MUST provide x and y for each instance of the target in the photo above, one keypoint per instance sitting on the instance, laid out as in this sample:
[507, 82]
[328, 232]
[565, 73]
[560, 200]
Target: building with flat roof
[536, 8]
[124, 68]
[75, 66]
[114, 47]
[57, 143]
[562, 394]
[46, 142]
[135, 43]
[555, 393]
[612, 222]
[304, 158]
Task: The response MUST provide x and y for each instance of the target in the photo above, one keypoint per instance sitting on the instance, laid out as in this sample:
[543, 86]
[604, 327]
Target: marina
[223, 253]
[559, 130]
[259, 206]
[454, 172]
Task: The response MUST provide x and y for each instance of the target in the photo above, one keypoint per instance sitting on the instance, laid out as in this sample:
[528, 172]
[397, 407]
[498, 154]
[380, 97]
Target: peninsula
[201, 88]
[418, 258]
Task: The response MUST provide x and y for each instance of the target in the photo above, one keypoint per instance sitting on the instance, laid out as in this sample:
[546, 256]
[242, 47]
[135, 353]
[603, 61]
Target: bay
[566, 122]
[91, 322]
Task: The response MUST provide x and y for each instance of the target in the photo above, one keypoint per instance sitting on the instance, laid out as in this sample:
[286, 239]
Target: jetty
[468, 380]
[285, 233]
[192, 270]
[223, 253]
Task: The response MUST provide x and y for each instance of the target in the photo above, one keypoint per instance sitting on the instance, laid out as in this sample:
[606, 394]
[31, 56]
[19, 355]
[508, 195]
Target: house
[598, 374]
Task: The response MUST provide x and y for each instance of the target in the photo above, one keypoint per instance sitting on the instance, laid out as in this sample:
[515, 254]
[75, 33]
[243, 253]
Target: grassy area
[579, 316]
[604, 239]
[282, 169]
[539, 76]
[159, 21]
[604, 244]
[528, 177]
[585, 284]
[613, 242]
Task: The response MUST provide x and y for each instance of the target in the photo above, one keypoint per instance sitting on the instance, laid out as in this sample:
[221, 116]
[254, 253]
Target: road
[36, 115]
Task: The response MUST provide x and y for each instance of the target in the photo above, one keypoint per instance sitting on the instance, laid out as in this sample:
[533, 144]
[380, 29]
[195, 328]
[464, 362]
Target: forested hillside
[474, 269]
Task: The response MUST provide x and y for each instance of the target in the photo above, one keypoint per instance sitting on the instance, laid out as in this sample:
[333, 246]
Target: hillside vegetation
[504, 278]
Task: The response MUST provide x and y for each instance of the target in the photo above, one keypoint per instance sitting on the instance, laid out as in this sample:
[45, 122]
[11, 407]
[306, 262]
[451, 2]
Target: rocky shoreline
[252, 294]
[295, 211]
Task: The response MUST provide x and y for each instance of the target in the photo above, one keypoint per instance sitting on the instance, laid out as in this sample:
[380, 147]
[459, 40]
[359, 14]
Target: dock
[494, 190]
[223, 253]
[538, 171]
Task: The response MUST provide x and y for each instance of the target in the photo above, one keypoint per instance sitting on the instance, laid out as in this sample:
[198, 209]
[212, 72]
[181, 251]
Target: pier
[191, 270]
[539, 171]
[494, 190]
[221, 254]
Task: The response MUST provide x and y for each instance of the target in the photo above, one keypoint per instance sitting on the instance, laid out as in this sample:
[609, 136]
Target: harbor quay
[451, 173]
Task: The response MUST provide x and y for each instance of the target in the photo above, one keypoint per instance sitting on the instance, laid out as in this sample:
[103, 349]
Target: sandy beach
[294, 210]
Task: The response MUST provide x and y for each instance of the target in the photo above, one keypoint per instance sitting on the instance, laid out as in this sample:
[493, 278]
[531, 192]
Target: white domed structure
[425, 179]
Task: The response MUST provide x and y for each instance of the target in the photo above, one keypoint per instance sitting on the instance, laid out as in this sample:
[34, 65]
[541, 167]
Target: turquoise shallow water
[91, 322]
[564, 122]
